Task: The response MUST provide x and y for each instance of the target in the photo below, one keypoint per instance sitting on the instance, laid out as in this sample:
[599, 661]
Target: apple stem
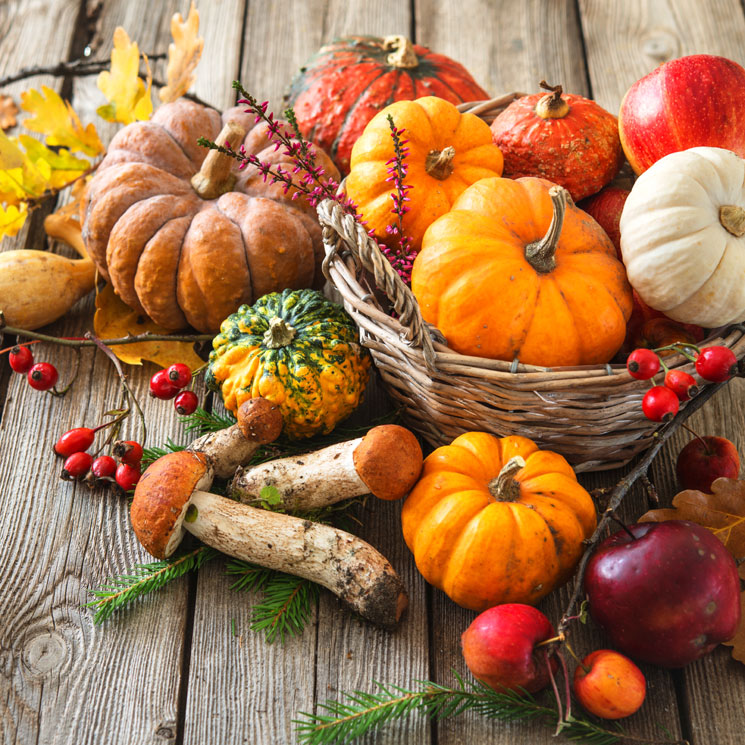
[567, 688]
[561, 722]
[623, 525]
[707, 449]
[558, 638]
[577, 659]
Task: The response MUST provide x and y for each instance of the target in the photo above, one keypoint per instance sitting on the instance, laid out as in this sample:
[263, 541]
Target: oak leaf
[722, 512]
[12, 218]
[183, 55]
[8, 111]
[58, 122]
[115, 320]
[128, 95]
[60, 167]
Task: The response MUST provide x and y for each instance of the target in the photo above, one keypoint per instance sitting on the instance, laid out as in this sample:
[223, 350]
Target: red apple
[500, 650]
[605, 208]
[667, 593]
[705, 459]
[609, 685]
[687, 102]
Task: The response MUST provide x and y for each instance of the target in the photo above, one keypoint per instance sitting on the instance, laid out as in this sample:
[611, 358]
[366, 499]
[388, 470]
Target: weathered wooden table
[182, 666]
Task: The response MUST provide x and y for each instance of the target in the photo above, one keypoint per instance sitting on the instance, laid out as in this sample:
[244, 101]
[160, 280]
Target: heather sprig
[401, 255]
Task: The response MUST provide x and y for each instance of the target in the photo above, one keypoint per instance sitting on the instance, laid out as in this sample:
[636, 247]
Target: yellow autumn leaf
[115, 320]
[58, 122]
[128, 96]
[60, 166]
[12, 219]
[183, 55]
[19, 175]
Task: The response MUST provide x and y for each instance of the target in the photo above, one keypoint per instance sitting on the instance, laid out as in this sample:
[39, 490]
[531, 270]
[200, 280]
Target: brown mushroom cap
[160, 498]
[389, 461]
[260, 420]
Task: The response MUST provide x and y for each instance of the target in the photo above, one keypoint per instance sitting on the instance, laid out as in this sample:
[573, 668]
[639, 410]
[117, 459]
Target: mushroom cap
[260, 420]
[389, 461]
[161, 497]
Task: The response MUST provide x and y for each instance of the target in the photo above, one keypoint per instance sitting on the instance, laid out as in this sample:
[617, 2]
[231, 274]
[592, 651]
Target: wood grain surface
[182, 665]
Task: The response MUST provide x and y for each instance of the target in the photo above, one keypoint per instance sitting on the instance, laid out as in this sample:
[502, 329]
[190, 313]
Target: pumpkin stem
[552, 105]
[402, 54]
[504, 488]
[541, 255]
[732, 218]
[439, 163]
[279, 334]
[216, 176]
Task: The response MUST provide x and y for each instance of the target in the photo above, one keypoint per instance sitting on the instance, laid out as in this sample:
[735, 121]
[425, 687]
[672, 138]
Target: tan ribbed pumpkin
[187, 238]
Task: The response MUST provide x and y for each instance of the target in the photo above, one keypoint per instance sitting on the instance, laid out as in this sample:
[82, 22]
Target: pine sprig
[202, 422]
[153, 453]
[361, 712]
[287, 602]
[144, 579]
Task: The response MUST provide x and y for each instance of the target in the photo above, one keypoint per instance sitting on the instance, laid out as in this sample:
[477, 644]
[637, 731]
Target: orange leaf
[115, 320]
[8, 111]
[722, 512]
[738, 641]
[183, 55]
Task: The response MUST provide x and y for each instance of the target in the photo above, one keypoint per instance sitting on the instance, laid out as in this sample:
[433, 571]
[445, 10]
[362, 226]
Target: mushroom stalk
[385, 462]
[352, 569]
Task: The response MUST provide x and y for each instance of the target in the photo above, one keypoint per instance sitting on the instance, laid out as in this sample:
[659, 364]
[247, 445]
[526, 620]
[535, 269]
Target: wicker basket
[592, 414]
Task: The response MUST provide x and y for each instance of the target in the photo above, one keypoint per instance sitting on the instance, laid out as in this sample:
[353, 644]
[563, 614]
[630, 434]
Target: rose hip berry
[103, 467]
[127, 476]
[42, 376]
[716, 364]
[186, 403]
[642, 364]
[76, 466]
[161, 386]
[128, 451]
[20, 359]
[179, 374]
[660, 404]
[74, 441]
[681, 384]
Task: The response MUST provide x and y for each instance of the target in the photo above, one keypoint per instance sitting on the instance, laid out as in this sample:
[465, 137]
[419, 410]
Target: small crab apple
[642, 364]
[20, 359]
[660, 404]
[681, 384]
[705, 459]
[42, 376]
[716, 364]
[609, 684]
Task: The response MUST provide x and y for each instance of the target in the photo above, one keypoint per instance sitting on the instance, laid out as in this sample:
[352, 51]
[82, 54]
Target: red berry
[42, 376]
[179, 374]
[186, 402]
[716, 364]
[104, 467]
[681, 384]
[20, 359]
[74, 441]
[128, 451]
[127, 476]
[642, 364]
[76, 466]
[660, 404]
[161, 387]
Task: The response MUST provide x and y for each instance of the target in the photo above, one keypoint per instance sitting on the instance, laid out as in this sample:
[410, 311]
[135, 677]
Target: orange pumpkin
[513, 271]
[448, 151]
[496, 520]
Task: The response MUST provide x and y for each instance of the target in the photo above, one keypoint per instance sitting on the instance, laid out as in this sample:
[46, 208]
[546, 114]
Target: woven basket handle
[339, 226]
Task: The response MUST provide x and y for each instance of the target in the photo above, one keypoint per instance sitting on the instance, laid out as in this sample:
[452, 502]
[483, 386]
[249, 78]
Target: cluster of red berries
[42, 376]
[661, 402]
[167, 383]
[123, 469]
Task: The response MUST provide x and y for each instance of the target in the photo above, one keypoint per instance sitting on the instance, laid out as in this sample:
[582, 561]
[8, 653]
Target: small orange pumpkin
[513, 271]
[448, 151]
[496, 520]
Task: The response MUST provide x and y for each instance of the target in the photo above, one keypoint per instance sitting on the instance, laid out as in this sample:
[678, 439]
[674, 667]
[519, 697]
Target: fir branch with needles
[153, 453]
[203, 422]
[144, 579]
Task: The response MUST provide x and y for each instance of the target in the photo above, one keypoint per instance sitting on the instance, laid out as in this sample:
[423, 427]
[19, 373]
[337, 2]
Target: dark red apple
[605, 208]
[687, 102]
[667, 593]
[500, 650]
[705, 459]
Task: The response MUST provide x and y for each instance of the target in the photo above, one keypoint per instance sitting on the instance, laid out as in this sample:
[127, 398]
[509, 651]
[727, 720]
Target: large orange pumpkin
[448, 151]
[513, 271]
[496, 520]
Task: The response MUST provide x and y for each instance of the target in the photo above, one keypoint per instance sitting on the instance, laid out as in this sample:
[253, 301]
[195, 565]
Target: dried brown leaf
[8, 111]
[722, 512]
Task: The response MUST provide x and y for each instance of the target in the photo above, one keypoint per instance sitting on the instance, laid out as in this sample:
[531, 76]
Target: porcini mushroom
[386, 462]
[169, 499]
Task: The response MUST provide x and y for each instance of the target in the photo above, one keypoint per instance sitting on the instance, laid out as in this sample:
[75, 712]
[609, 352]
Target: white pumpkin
[683, 236]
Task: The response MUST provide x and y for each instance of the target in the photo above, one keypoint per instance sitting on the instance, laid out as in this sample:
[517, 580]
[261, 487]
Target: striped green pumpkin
[296, 349]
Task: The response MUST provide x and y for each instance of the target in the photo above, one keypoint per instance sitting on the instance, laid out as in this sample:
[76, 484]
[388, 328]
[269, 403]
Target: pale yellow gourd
[683, 236]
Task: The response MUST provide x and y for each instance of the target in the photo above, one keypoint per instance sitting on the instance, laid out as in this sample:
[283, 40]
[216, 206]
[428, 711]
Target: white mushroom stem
[352, 569]
[226, 449]
[385, 462]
